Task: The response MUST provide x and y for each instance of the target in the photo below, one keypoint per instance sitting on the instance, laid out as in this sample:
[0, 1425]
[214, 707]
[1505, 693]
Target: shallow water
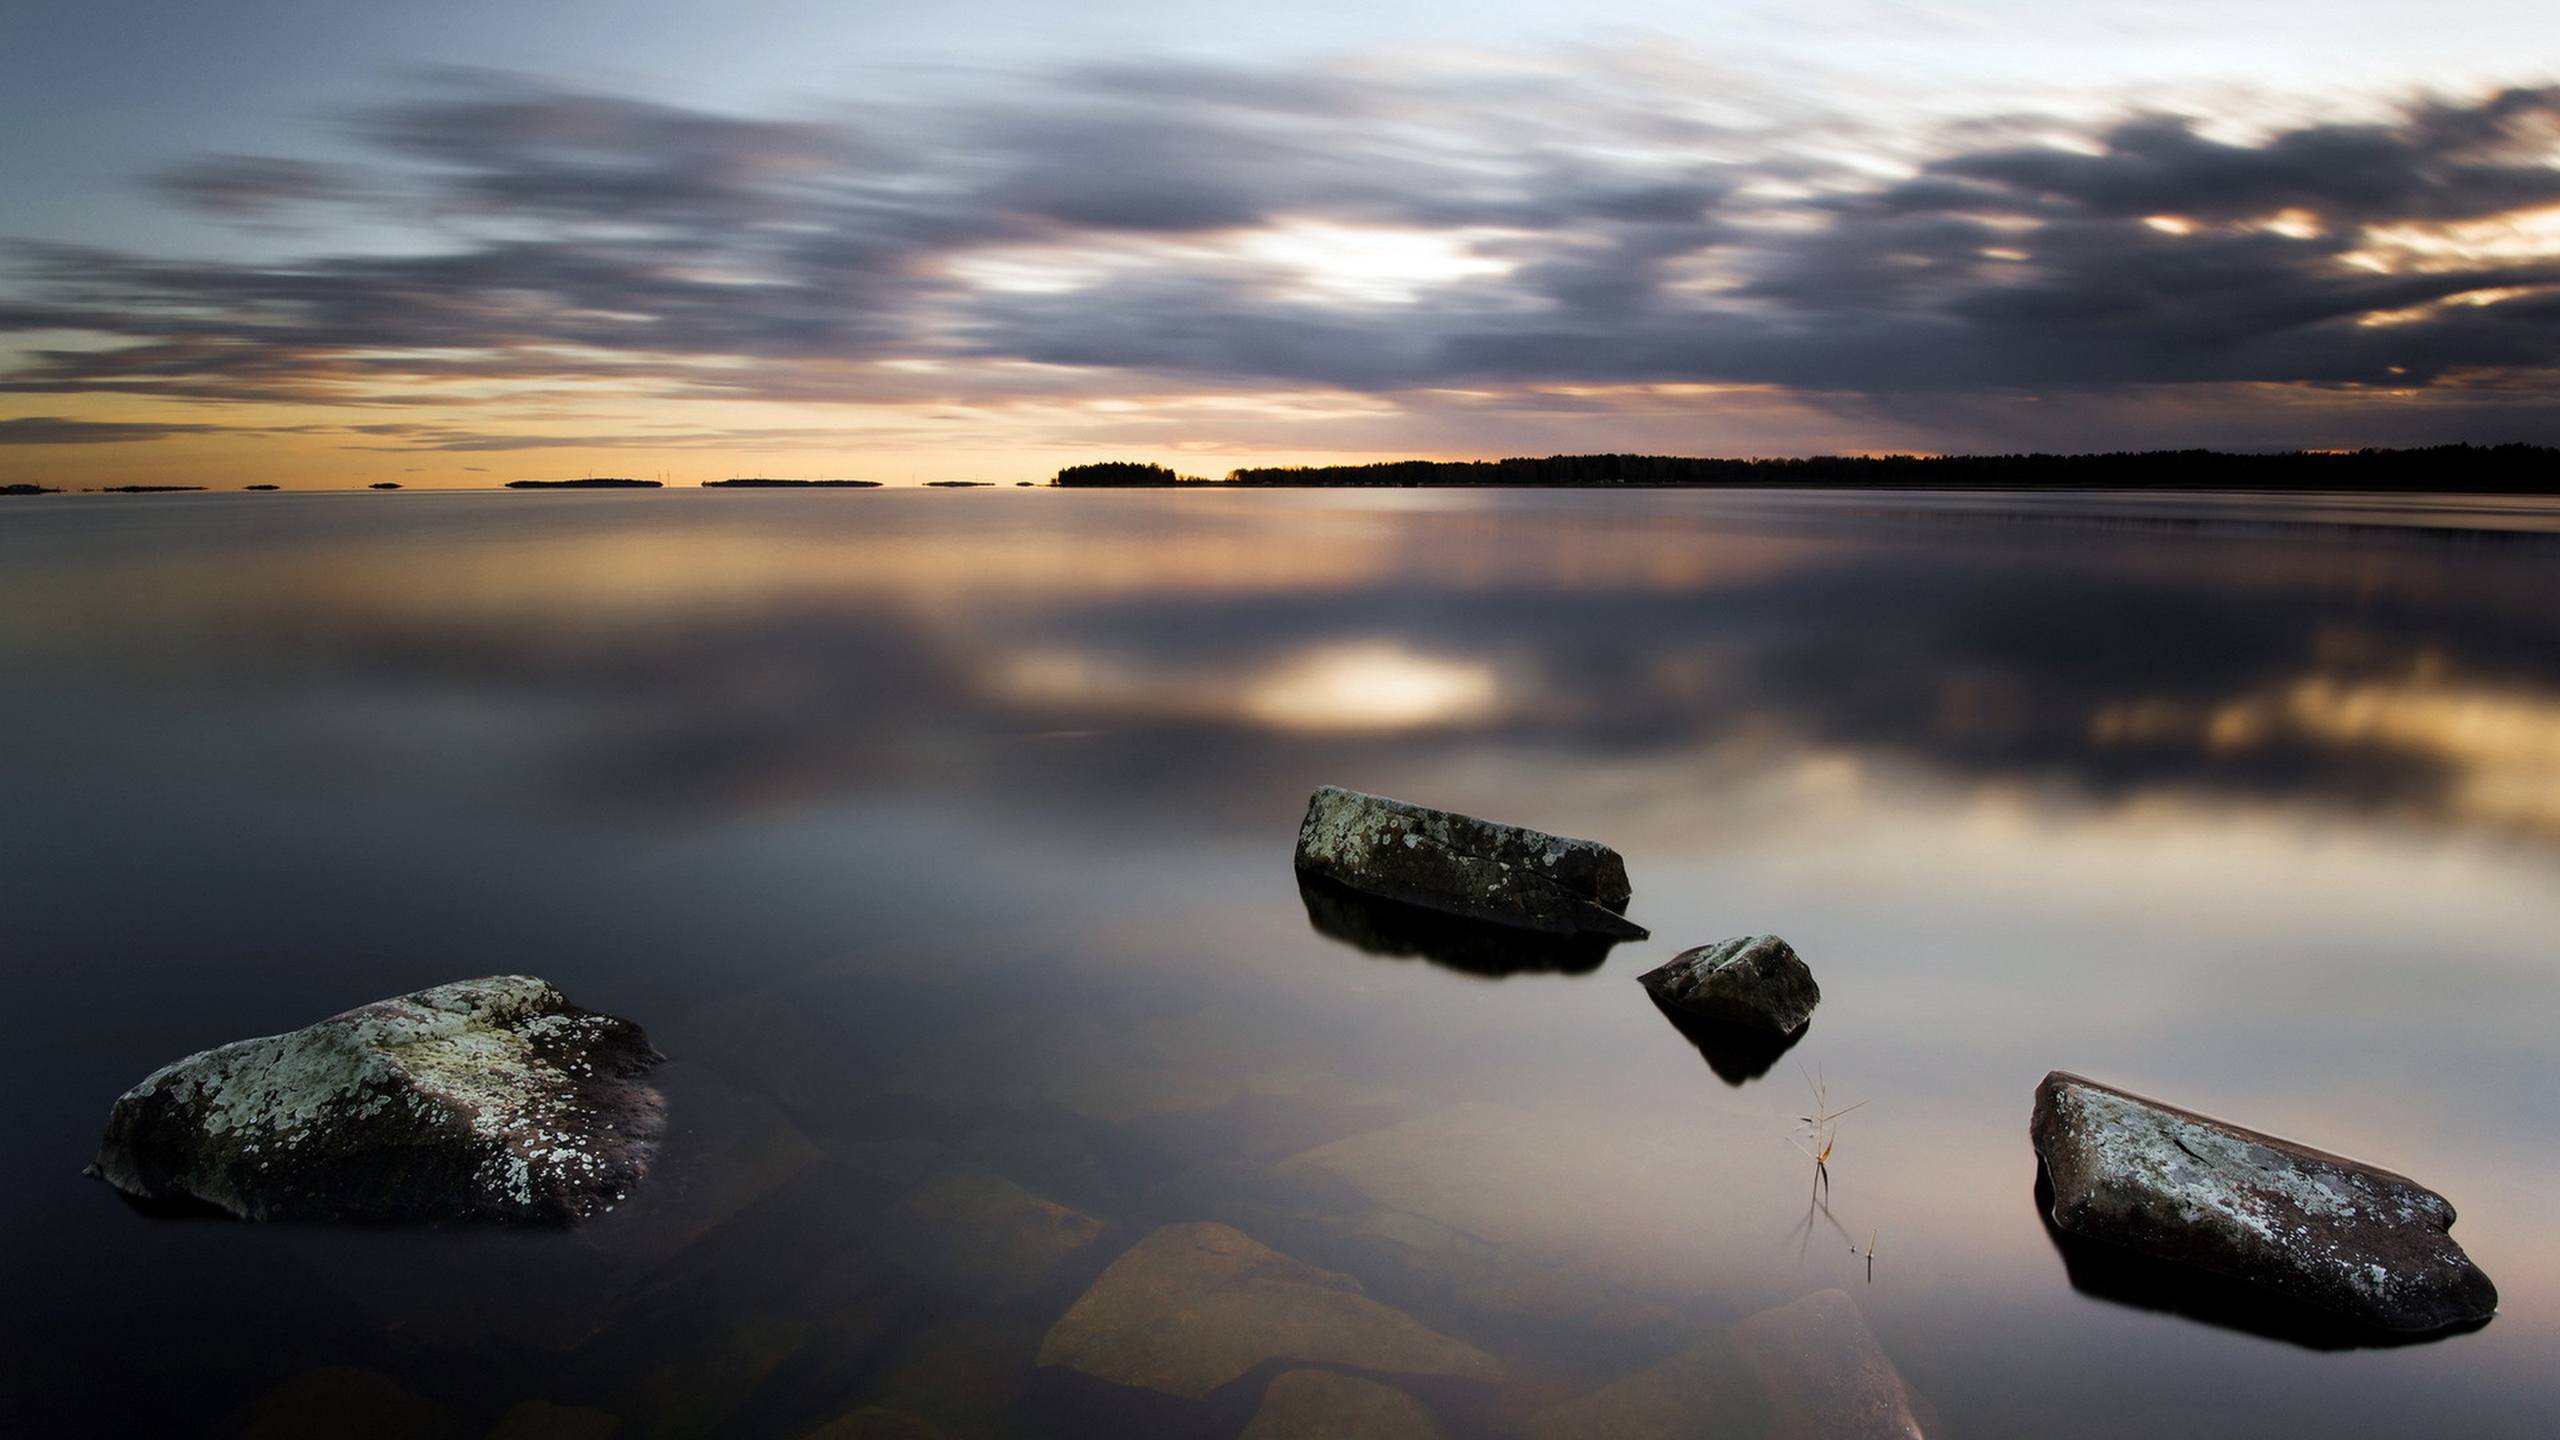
[943, 839]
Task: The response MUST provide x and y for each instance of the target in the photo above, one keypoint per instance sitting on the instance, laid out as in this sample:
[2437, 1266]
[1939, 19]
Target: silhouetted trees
[1124, 472]
[2509, 468]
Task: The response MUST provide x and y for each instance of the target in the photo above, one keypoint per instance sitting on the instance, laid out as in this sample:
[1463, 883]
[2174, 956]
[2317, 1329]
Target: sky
[449, 245]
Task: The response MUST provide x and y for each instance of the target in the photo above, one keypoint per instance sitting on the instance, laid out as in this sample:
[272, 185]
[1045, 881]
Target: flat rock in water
[491, 1099]
[1465, 866]
[1192, 1307]
[2321, 1229]
[1753, 980]
[1825, 1376]
[1321, 1405]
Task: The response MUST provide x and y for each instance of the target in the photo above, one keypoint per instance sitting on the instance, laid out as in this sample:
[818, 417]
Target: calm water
[943, 839]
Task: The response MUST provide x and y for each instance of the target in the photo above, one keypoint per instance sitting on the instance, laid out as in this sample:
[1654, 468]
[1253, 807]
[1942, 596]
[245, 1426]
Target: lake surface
[943, 840]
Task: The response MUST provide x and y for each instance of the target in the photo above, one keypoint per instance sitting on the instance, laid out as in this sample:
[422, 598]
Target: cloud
[56, 430]
[243, 186]
[1172, 226]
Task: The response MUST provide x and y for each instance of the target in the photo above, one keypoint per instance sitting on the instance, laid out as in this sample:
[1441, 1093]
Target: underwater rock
[1673, 1400]
[490, 1099]
[1192, 1307]
[1321, 1405]
[2321, 1229]
[876, 1422]
[337, 1401]
[1754, 980]
[1825, 1376]
[980, 1236]
[1465, 866]
[542, 1420]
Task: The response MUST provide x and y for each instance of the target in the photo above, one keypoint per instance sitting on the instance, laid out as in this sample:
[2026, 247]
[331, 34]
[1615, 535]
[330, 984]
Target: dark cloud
[55, 430]
[1156, 219]
[242, 186]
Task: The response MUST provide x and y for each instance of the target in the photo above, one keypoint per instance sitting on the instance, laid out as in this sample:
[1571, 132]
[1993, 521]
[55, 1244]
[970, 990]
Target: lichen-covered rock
[1825, 1376]
[1192, 1307]
[2321, 1229]
[1754, 980]
[1465, 866]
[491, 1099]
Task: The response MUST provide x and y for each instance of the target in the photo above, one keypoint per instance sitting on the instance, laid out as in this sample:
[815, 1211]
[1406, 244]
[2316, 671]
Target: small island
[599, 482]
[149, 489]
[26, 489]
[265, 487]
[384, 485]
[763, 482]
[958, 484]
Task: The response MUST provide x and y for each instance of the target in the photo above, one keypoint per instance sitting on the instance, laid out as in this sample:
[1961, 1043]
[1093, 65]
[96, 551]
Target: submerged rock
[2321, 1229]
[1686, 1395]
[981, 1236]
[1825, 1376]
[1192, 1307]
[1321, 1405]
[491, 1099]
[1465, 866]
[1754, 980]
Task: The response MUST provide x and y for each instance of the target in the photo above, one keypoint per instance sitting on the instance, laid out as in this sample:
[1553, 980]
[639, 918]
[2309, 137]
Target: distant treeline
[593, 482]
[2504, 468]
[1132, 472]
[762, 482]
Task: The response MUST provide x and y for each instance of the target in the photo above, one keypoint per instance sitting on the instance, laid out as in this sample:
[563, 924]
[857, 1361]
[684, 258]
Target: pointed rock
[1674, 1400]
[1753, 980]
[2330, 1232]
[1824, 1374]
[1192, 1307]
[1465, 866]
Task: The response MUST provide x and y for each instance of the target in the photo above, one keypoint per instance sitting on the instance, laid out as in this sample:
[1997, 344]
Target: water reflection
[1380, 926]
[944, 851]
[2138, 1282]
[1738, 1054]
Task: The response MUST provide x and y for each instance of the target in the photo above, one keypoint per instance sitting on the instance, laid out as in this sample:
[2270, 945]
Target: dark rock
[491, 1099]
[1461, 865]
[1454, 942]
[2321, 1229]
[1825, 1376]
[1754, 980]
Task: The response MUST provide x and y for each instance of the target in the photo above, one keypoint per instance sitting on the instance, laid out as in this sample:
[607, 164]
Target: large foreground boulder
[1756, 981]
[1461, 865]
[2321, 1229]
[491, 1099]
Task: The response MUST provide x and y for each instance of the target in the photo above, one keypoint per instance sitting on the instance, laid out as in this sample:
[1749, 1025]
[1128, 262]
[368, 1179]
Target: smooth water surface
[943, 841]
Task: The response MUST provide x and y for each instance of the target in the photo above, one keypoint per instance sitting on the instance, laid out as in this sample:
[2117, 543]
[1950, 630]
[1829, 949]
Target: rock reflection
[2125, 1277]
[1474, 947]
[1739, 1054]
